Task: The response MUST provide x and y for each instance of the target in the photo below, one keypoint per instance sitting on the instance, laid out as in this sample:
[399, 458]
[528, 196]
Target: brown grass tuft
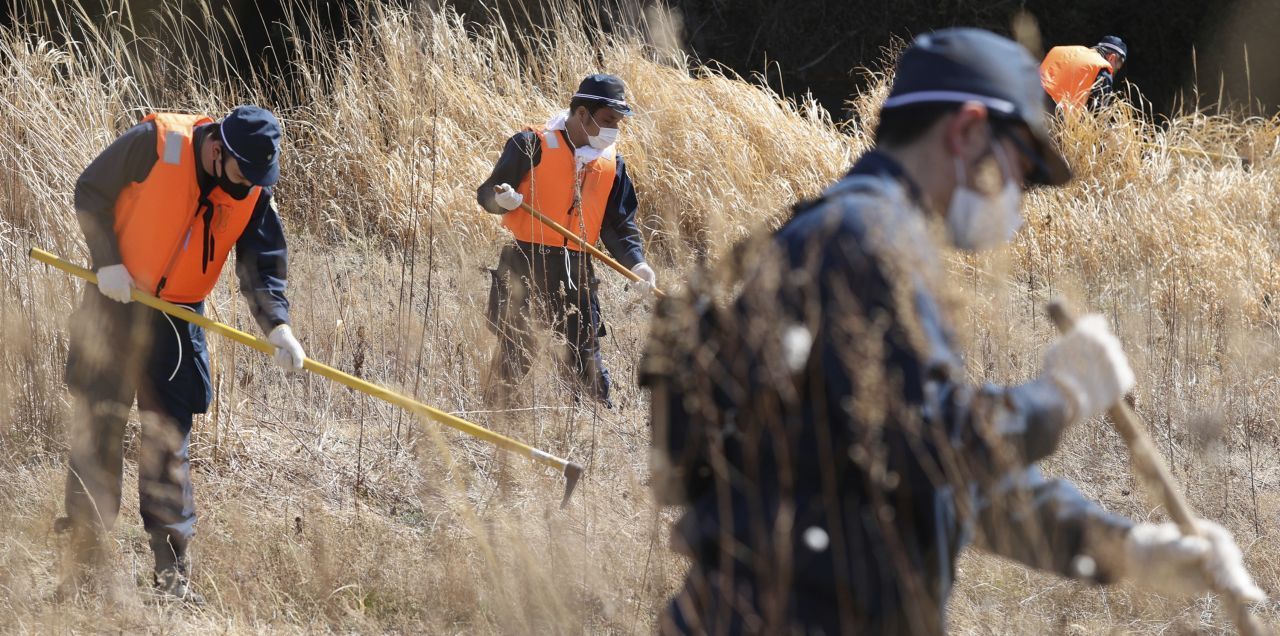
[325, 511]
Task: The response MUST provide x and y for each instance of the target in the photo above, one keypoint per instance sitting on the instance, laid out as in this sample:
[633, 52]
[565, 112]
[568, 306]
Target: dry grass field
[323, 510]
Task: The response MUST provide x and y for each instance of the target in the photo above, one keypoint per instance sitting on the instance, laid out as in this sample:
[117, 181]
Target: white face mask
[606, 138]
[976, 222]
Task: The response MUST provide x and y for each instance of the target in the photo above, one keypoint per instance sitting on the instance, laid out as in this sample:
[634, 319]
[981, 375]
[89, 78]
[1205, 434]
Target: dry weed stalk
[318, 514]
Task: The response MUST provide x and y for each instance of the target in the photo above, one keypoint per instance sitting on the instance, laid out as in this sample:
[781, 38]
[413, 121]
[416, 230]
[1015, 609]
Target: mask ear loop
[1006, 174]
[1011, 191]
[217, 158]
[1006, 169]
[959, 164]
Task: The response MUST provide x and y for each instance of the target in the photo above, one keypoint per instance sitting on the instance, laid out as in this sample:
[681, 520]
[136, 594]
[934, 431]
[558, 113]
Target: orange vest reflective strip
[550, 188]
[1068, 73]
[173, 244]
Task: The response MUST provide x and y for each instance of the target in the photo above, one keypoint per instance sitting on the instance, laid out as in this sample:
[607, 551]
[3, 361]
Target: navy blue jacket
[618, 231]
[1103, 89]
[829, 450]
[261, 252]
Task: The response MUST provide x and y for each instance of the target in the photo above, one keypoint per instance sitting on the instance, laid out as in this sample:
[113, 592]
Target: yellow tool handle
[1147, 463]
[570, 470]
[589, 248]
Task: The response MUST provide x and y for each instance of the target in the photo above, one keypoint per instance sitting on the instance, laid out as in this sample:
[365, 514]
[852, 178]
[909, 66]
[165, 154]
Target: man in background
[1083, 77]
[569, 170]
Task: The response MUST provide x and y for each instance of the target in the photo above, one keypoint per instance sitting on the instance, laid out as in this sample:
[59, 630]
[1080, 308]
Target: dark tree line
[819, 45]
[1172, 43]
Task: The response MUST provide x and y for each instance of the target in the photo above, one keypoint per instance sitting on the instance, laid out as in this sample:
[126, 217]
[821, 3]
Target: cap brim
[1057, 171]
[262, 176]
[1113, 48]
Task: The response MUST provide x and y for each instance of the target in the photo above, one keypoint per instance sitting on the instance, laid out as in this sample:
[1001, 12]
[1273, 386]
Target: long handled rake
[586, 247]
[572, 471]
[1152, 470]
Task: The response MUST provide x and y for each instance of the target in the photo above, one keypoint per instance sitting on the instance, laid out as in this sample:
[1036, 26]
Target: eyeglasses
[1039, 170]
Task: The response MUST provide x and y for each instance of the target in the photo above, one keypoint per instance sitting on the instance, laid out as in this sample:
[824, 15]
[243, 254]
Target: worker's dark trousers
[712, 603]
[118, 352]
[536, 285]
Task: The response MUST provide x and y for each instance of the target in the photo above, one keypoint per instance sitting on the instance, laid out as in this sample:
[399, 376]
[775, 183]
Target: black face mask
[233, 189]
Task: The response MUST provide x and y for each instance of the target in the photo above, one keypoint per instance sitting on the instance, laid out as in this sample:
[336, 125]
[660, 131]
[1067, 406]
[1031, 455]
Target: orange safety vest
[550, 188]
[1068, 73]
[173, 244]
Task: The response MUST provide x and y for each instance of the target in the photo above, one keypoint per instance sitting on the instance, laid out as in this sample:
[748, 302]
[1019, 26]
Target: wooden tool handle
[1152, 469]
[586, 247]
[1144, 457]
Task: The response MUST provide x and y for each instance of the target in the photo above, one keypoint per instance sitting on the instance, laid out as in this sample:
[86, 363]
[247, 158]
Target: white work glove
[1090, 365]
[289, 354]
[507, 198]
[648, 279]
[1160, 558]
[115, 283]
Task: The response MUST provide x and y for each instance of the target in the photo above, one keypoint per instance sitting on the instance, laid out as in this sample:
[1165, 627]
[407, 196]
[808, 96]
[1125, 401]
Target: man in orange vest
[568, 169]
[1079, 77]
[161, 209]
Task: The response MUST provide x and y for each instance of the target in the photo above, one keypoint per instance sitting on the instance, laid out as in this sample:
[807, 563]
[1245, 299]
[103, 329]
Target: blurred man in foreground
[820, 430]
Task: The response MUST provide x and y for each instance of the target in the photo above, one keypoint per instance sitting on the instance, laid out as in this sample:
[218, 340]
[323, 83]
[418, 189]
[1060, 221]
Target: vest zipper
[177, 248]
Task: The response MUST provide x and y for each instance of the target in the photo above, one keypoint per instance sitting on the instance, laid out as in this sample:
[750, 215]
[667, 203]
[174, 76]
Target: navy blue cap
[251, 135]
[1115, 45]
[972, 65]
[606, 89]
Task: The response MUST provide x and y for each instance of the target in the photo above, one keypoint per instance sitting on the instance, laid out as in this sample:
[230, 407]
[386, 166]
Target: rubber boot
[172, 574]
[81, 559]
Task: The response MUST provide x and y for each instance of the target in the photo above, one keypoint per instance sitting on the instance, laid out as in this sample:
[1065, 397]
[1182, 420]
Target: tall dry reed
[326, 511]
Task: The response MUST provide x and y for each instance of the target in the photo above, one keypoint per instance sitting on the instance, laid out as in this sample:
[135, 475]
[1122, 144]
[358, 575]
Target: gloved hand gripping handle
[1151, 469]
